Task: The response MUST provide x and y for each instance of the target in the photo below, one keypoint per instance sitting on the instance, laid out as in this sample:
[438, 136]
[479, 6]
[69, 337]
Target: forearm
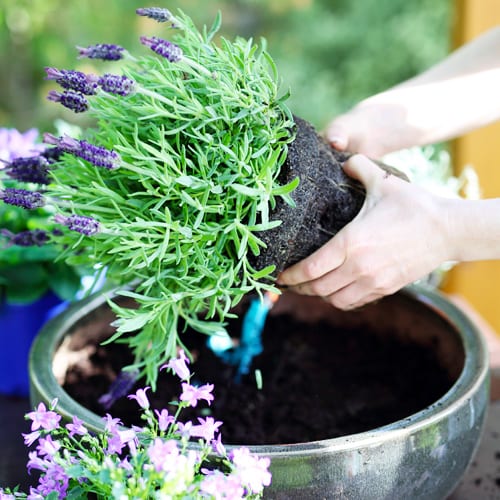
[474, 229]
[453, 97]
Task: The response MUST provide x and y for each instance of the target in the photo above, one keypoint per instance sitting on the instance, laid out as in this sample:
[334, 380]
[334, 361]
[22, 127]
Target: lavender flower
[28, 238]
[52, 154]
[119, 388]
[105, 51]
[116, 84]
[29, 169]
[164, 48]
[22, 198]
[79, 223]
[97, 155]
[70, 99]
[73, 80]
[156, 13]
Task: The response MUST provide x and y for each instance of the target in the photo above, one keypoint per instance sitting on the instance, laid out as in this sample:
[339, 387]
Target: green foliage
[201, 143]
[331, 53]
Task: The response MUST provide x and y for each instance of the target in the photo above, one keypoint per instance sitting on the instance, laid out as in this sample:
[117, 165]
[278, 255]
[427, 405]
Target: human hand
[399, 235]
[373, 128]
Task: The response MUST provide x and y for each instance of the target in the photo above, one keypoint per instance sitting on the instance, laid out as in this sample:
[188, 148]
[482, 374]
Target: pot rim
[475, 373]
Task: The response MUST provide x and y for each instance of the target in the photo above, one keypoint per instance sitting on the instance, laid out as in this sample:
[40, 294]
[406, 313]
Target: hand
[399, 235]
[373, 128]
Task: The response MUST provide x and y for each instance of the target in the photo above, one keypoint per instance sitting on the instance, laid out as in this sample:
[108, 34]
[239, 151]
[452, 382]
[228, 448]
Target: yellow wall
[478, 282]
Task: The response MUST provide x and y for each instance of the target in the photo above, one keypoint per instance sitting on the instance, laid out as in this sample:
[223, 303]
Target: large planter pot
[19, 324]
[422, 456]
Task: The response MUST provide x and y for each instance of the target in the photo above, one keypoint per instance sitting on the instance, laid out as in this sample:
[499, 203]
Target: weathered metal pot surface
[421, 457]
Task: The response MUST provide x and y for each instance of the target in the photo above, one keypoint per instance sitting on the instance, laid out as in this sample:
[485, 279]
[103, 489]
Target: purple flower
[179, 366]
[251, 469]
[29, 169]
[156, 13]
[79, 223]
[55, 479]
[73, 80]
[192, 394]
[119, 388]
[164, 419]
[206, 429]
[41, 417]
[47, 447]
[22, 198]
[164, 48]
[218, 485]
[97, 155]
[76, 427]
[14, 144]
[28, 238]
[141, 398]
[52, 154]
[70, 99]
[163, 455]
[31, 437]
[116, 84]
[105, 51]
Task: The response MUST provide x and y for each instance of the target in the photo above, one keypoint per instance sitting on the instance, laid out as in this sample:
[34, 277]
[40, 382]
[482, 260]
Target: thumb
[337, 135]
[367, 172]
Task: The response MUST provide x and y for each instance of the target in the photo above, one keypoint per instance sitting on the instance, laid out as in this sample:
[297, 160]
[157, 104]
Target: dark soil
[326, 200]
[317, 383]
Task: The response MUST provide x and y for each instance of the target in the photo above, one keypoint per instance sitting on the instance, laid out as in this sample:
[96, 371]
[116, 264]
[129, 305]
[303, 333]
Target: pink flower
[41, 417]
[30, 438]
[163, 454]
[179, 366]
[206, 430]
[193, 394]
[220, 486]
[141, 398]
[251, 469]
[76, 427]
[164, 419]
[48, 447]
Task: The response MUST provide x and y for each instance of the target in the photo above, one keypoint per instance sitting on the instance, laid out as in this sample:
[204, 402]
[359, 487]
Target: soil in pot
[319, 382]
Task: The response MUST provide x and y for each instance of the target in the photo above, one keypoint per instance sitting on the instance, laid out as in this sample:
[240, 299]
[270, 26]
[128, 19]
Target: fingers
[359, 167]
[327, 258]
[337, 136]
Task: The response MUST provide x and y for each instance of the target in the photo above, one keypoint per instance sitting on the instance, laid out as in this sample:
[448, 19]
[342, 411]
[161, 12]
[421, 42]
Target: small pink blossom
[193, 394]
[179, 366]
[163, 454]
[164, 419]
[206, 429]
[251, 469]
[41, 417]
[30, 438]
[222, 487]
[47, 446]
[141, 398]
[76, 427]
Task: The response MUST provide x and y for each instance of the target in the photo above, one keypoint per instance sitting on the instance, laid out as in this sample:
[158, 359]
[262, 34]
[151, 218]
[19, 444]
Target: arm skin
[404, 232]
[457, 95]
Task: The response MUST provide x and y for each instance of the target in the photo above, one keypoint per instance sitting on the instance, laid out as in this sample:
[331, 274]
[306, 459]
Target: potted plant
[32, 284]
[194, 187]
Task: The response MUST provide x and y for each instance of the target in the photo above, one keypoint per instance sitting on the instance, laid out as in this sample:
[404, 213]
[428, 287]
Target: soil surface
[318, 383]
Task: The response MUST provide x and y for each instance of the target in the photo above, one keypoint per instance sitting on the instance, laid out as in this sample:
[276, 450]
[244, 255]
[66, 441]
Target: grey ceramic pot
[421, 457]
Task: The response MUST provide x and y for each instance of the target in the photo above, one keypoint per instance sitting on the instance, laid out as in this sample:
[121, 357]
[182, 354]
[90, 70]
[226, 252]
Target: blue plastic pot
[19, 325]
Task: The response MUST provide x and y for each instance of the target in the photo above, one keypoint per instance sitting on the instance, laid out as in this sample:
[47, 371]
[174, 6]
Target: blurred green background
[330, 53]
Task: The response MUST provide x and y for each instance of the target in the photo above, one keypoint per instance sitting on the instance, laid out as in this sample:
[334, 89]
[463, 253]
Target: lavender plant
[28, 267]
[172, 186]
[153, 461]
